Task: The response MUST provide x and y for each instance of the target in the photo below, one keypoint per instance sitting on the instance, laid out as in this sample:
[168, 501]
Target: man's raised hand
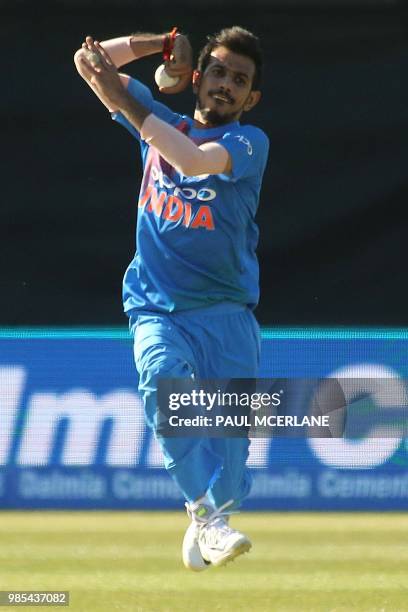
[96, 67]
[180, 65]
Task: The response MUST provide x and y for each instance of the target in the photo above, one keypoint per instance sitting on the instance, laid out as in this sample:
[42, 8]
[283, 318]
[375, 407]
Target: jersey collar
[210, 132]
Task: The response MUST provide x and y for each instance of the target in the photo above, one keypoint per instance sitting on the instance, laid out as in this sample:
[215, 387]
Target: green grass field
[131, 561]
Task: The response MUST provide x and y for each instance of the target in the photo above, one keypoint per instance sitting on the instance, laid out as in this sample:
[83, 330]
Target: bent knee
[163, 366]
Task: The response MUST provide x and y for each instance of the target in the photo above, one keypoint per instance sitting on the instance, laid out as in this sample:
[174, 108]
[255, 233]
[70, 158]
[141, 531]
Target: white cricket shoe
[219, 543]
[209, 540]
[192, 557]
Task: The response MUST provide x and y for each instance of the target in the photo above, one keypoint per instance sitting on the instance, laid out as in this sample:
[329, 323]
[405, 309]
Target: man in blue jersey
[190, 290]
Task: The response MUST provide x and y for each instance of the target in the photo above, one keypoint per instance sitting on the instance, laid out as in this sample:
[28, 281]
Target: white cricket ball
[163, 79]
[92, 57]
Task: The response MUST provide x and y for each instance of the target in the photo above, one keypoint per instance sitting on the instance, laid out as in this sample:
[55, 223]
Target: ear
[252, 100]
[196, 78]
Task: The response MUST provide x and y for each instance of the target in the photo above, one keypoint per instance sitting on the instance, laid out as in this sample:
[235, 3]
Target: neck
[202, 123]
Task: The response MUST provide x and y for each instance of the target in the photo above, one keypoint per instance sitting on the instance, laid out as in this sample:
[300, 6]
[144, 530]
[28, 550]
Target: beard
[213, 117]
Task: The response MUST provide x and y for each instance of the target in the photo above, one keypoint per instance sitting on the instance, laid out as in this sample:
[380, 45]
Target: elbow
[192, 165]
[187, 169]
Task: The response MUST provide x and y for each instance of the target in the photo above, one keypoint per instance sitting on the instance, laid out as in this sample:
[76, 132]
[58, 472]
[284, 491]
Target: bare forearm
[126, 49]
[146, 44]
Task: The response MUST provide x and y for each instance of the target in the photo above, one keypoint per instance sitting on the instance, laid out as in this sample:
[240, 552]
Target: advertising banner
[73, 435]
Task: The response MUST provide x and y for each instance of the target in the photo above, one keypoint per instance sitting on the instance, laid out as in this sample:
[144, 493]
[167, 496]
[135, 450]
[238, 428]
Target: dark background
[333, 213]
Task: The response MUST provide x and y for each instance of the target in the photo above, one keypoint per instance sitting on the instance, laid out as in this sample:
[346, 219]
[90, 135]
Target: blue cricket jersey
[196, 236]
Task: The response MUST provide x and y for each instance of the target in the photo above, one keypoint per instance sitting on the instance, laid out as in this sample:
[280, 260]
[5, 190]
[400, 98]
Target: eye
[240, 81]
[218, 71]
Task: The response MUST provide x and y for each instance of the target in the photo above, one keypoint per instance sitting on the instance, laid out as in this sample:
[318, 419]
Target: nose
[226, 83]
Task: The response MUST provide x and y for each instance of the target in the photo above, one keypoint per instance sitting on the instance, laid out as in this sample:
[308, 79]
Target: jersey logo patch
[246, 142]
[174, 209]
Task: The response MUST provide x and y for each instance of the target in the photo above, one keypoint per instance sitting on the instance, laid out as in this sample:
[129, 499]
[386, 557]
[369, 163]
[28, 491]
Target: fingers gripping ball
[92, 57]
[163, 79]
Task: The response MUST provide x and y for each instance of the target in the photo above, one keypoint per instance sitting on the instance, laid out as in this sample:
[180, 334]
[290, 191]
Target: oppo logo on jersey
[173, 208]
[203, 195]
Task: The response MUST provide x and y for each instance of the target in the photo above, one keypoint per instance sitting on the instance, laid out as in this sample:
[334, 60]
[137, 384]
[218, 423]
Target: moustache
[223, 94]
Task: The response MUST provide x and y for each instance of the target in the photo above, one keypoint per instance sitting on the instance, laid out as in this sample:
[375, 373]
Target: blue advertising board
[72, 431]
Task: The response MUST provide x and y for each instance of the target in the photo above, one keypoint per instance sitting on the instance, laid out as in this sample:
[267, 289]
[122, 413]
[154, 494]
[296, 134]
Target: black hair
[238, 40]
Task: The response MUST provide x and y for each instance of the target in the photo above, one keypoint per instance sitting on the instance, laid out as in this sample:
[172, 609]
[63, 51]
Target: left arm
[175, 147]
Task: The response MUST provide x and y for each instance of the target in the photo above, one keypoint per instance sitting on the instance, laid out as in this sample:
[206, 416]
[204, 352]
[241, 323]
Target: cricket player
[192, 285]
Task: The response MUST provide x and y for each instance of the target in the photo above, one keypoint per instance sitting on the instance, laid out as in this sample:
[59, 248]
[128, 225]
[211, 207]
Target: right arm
[181, 152]
[126, 49]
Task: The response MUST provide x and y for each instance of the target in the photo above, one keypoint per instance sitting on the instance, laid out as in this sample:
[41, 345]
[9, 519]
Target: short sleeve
[142, 94]
[248, 147]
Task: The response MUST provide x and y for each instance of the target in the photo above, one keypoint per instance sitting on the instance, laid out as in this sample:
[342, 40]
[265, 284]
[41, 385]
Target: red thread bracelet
[168, 44]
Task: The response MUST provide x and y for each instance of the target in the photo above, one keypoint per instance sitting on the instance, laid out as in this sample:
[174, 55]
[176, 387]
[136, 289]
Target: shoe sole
[240, 549]
[196, 568]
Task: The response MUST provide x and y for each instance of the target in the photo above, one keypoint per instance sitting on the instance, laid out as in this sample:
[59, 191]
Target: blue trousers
[221, 341]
